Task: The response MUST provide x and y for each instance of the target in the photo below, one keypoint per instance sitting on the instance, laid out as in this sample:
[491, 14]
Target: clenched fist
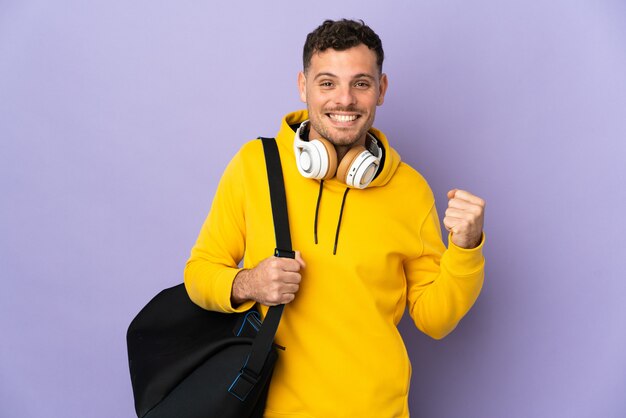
[274, 281]
[464, 218]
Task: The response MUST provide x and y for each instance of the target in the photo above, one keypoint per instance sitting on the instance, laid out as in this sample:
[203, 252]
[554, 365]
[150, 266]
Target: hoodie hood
[389, 162]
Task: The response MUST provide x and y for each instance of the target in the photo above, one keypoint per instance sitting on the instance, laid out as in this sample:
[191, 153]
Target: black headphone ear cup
[347, 160]
[332, 158]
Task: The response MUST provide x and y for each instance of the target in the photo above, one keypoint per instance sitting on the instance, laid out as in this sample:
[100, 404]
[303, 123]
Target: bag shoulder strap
[251, 371]
[278, 198]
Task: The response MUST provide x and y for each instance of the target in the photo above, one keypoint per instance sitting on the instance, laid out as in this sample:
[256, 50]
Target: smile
[342, 118]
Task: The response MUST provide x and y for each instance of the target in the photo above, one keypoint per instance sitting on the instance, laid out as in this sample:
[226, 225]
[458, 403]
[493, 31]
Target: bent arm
[213, 264]
[442, 284]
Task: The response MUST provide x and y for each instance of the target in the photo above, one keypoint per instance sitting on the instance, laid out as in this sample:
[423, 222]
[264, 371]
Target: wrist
[239, 293]
[471, 248]
[474, 243]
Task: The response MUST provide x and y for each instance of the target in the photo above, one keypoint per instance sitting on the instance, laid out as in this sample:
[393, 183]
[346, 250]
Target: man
[368, 239]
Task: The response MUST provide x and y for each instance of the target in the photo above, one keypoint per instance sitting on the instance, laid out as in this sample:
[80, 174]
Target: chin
[343, 142]
[347, 139]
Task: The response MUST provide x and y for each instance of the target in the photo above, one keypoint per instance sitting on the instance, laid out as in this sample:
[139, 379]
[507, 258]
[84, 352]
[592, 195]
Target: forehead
[356, 60]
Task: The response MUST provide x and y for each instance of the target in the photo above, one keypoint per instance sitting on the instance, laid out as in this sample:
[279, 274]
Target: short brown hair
[341, 35]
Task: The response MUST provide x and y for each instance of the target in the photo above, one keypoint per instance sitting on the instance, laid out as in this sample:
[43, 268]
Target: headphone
[317, 159]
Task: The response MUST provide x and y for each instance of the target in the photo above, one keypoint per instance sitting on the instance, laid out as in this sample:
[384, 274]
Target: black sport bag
[187, 362]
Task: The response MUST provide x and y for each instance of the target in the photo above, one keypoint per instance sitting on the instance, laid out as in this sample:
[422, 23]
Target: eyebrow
[360, 75]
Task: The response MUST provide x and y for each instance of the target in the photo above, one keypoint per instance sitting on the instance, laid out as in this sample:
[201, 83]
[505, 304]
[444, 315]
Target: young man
[368, 239]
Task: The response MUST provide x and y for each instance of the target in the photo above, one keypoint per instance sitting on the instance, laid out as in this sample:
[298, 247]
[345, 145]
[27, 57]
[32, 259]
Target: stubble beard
[339, 141]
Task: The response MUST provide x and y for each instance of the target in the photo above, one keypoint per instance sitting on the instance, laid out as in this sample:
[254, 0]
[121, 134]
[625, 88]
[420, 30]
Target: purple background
[117, 119]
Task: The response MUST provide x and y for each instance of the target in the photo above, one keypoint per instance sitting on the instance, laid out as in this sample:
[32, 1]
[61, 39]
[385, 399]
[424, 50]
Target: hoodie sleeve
[442, 284]
[213, 264]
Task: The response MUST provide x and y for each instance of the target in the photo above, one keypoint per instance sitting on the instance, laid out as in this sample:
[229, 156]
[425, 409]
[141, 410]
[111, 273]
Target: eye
[362, 84]
[326, 84]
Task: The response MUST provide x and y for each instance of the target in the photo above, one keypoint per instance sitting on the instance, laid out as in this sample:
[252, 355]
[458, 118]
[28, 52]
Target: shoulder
[407, 176]
[251, 149]
[249, 155]
[416, 195]
[245, 162]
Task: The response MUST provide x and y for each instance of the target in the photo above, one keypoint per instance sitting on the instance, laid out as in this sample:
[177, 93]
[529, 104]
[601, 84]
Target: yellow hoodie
[344, 356]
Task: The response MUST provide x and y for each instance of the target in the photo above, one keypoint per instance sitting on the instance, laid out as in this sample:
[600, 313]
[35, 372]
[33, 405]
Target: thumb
[300, 260]
[451, 193]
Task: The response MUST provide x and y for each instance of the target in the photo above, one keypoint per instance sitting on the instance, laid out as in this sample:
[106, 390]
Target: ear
[302, 86]
[382, 89]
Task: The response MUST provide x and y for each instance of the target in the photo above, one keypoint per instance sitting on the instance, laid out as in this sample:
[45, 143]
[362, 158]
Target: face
[341, 90]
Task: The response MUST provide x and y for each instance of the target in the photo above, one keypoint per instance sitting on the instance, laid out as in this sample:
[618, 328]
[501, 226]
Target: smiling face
[341, 90]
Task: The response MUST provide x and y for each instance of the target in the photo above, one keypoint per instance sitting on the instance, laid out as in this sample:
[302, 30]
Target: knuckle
[469, 216]
[274, 289]
[274, 263]
[275, 297]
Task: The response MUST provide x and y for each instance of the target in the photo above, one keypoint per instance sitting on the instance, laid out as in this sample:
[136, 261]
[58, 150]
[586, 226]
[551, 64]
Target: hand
[464, 218]
[274, 281]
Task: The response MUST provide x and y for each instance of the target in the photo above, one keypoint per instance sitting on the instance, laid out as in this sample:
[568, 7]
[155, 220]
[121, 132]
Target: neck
[341, 151]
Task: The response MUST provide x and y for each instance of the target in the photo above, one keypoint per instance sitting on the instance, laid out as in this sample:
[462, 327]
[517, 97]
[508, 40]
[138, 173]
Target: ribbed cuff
[464, 261]
[224, 289]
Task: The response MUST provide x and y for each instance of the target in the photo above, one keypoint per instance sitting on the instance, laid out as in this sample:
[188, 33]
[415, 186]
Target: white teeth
[343, 118]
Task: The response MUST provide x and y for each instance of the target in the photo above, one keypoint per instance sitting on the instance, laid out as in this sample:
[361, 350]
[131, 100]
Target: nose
[345, 96]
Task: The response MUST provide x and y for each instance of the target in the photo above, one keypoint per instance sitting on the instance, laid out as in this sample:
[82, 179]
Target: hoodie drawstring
[343, 202]
[317, 210]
